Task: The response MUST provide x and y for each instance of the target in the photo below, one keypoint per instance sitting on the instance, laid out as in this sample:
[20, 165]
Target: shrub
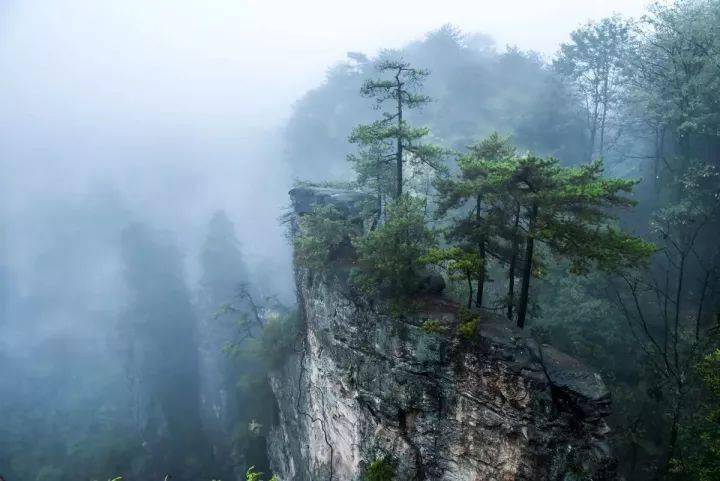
[381, 469]
[272, 344]
[253, 475]
[324, 237]
[433, 326]
[700, 435]
[389, 257]
[469, 324]
[278, 338]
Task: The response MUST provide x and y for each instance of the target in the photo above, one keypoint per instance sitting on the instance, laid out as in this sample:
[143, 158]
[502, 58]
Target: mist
[131, 130]
[165, 112]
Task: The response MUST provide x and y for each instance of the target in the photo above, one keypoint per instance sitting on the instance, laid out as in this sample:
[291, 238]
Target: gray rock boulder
[351, 203]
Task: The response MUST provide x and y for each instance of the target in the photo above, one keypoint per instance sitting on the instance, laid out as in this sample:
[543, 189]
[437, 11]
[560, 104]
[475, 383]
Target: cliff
[364, 384]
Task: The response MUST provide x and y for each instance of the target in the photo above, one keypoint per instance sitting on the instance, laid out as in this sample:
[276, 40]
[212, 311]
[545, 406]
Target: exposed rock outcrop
[364, 384]
[349, 202]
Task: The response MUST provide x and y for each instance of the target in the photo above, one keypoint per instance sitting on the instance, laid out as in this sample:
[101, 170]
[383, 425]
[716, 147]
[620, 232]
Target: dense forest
[578, 196]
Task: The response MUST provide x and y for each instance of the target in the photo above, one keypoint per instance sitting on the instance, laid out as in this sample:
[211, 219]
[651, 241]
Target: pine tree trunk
[481, 280]
[513, 264]
[481, 248]
[527, 272]
[378, 184]
[470, 292]
[399, 152]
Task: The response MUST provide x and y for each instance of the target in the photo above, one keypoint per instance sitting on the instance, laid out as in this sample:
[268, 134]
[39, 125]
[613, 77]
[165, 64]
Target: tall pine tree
[475, 193]
[391, 142]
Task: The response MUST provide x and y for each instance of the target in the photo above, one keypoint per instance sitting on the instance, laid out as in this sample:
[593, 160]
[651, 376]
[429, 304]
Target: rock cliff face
[366, 385]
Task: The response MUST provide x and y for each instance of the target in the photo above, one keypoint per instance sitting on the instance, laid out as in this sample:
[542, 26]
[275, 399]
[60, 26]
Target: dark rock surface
[349, 202]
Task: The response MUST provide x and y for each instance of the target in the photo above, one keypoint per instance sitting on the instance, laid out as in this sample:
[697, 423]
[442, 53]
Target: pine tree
[389, 258]
[506, 201]
[374, 171]
[568, 210]
[391, 139]
[460, 264]
[476, 192]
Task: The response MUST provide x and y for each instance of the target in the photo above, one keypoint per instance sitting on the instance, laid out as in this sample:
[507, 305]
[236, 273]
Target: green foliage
[389, 143]
[701, 436]
[675, 67]
[433, 326]
[469, 323]
[389, 258]
[671, 99]
[475, 87]
[271, 343]
[468, 329]
[594, 62]
[460, 264]
[374, 169]
[278, 338]
[575, 217]
[698, 205]
[480, 194]
[568, 209]
[381, 469]
[508, 200]
[324, 238]
[263, 340]
[709, 370]
[483, 171]
[252, 475]
[455, 260]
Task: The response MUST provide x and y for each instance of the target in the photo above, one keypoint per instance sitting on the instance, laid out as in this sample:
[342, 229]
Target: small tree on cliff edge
[391, 139]
[509, 199]
[567, 209]
[389, 258]
[478, 191]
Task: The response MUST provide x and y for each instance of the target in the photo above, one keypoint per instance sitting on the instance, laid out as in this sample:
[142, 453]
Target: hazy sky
[175, 104]
[240, 61]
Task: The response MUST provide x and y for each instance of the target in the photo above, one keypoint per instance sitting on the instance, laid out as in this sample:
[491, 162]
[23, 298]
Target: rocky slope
[365, 385]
